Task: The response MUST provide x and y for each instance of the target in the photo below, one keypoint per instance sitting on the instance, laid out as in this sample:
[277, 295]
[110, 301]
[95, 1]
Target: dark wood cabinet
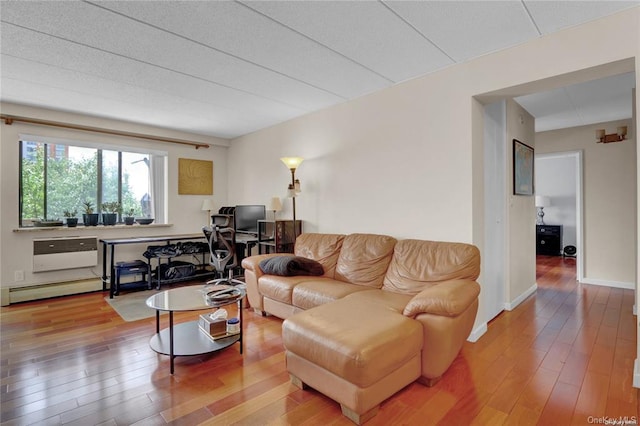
[549, 240]
[277, 236]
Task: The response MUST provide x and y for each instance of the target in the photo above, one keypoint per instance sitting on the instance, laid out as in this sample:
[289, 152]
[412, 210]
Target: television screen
[246, 217]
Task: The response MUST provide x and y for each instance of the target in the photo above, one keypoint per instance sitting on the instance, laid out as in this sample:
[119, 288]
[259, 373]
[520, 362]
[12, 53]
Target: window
[61, 176]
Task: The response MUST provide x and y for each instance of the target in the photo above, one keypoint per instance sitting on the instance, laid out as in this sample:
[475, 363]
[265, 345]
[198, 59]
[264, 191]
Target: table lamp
[275, 206]
[541, 203]
[207, 205]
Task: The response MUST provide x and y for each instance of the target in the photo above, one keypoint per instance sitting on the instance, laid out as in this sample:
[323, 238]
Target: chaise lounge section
[383, 314]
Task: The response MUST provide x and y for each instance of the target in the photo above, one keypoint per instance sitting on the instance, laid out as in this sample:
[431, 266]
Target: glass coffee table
[187, 338]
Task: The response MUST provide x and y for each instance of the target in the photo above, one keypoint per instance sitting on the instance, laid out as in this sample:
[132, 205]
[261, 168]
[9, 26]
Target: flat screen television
[246, 218]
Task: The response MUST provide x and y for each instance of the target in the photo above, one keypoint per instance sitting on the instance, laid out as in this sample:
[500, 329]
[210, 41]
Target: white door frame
[494, 259]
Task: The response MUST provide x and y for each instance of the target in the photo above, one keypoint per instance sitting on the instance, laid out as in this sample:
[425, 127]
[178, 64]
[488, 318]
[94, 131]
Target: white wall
[184, 212]
[609, 200]
[521, 246]
[556, 179]
[408, 161]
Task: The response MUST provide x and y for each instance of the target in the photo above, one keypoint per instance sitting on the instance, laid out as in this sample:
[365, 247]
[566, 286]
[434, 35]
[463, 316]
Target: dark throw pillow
[290, 265]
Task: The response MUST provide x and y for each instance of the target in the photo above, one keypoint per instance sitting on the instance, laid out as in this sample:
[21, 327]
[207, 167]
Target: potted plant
[129, 219]
[71, 218]
[110, 213]
[89, 217]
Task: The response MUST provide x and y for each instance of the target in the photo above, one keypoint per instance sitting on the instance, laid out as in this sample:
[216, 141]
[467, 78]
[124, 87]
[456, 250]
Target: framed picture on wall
[522, 168]
[195, 177]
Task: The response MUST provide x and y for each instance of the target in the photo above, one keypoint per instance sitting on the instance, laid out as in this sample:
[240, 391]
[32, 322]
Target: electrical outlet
[18, 276]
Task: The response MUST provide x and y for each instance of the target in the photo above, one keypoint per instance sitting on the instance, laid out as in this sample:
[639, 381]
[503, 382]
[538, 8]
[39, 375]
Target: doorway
[559, 177]
[508, 294]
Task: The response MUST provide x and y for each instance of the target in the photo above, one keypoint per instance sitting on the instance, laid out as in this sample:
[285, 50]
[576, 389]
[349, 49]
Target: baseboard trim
[607, 283]
[477, 333]
[510, 306]
[636, 373]
[4, 296]
[46, 291]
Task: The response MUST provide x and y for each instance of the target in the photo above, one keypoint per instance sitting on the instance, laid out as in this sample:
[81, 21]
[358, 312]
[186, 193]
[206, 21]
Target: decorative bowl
[144, 220]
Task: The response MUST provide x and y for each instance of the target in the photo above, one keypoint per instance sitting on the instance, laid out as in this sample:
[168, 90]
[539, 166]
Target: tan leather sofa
[384, 314]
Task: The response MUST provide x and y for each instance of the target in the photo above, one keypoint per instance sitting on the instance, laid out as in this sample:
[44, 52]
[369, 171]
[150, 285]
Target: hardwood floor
[564, 356]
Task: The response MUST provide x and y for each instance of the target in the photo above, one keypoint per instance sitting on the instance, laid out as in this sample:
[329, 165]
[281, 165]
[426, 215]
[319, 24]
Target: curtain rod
[10, 119]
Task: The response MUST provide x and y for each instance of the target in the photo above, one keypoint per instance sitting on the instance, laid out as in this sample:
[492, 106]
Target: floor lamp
[294, 187]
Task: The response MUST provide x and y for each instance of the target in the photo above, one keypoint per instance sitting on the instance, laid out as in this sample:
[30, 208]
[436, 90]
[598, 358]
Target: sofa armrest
[252, 263]
[448, 298]
[252, 273]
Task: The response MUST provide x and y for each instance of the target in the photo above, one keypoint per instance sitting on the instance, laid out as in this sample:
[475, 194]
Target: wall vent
[55, 254]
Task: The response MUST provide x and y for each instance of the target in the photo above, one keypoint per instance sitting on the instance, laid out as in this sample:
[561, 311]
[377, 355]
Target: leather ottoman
[354, 352]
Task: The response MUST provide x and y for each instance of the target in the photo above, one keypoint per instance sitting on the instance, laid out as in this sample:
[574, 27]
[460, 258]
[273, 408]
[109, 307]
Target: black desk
[249, 240]
[113, 242]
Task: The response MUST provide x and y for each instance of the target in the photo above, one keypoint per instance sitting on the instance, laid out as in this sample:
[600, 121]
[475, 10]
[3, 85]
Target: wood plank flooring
[564, 356]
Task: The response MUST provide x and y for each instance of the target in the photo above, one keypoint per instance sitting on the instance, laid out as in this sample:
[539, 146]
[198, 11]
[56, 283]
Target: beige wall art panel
[195, 177]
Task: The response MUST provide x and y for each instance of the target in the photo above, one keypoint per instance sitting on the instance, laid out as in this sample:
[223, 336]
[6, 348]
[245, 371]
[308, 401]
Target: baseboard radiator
[46, 291]
[54, 254]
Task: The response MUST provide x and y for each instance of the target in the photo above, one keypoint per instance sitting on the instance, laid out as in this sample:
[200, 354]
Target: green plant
[111, 207]
[130, 213]
[68, 213]
[88, 207]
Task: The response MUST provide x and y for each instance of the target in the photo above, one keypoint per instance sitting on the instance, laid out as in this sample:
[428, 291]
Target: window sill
[82, 228]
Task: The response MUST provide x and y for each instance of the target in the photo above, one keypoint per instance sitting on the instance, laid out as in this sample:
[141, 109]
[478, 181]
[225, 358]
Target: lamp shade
[207, 205]
[542, 201]
[276, 204]
[292, 162]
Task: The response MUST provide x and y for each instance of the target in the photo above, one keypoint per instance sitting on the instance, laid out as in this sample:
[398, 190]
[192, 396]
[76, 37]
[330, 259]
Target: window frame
[158, 162]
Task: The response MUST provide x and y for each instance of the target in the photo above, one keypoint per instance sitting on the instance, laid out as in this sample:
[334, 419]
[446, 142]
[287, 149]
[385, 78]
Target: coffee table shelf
[189, 339]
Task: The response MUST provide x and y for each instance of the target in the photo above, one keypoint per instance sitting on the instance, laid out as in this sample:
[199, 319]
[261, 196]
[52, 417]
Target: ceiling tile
[36, 84]
[56, 52]
[466, 29]
[366, 31]
[547, 103]
[551, 16]
[606, 99]
[595, 101]
[156, 47]
[239, 31]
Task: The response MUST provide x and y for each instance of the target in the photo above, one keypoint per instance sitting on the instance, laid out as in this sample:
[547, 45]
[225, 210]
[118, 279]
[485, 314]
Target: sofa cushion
[278, 288]
[381, 299]
[325, 248]
[312, 293]
[364, 259]
[290, 265]
[419, 264]
[353, 340]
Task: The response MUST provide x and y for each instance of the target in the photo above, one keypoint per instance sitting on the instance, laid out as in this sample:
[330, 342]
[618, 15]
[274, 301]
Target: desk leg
[104, 266]
[171, 339]
[157, 321]
[112, 275]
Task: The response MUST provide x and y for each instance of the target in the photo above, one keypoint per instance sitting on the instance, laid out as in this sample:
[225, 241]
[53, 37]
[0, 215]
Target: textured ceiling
[227, 68]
